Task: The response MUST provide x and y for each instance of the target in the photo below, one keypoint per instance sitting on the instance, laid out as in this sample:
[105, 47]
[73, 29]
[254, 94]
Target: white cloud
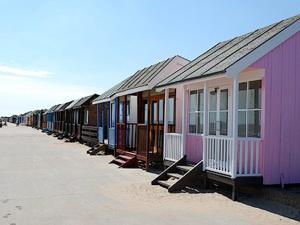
[23, 72]
[20, 94]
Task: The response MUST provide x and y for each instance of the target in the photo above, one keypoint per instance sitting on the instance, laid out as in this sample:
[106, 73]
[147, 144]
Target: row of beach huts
[230, 116]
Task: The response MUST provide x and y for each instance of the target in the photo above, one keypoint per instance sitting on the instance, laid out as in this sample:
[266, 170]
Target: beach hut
[139, 115]
[106, 116]
[239, 112]
[50, 119]
[85, 120]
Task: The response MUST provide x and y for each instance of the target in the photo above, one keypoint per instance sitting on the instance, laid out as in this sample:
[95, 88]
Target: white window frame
[252, 110]
[218, 109]
[196, 112]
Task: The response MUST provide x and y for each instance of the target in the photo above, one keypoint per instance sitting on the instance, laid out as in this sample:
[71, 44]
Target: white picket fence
[218, 156]
[173, 146]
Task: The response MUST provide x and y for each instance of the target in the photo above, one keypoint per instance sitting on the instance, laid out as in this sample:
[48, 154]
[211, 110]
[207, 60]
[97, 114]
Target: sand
[47, 181]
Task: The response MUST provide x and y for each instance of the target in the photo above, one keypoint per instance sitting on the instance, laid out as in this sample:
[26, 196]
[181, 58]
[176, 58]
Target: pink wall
[281, 141]
[179, 94]
[194, 148]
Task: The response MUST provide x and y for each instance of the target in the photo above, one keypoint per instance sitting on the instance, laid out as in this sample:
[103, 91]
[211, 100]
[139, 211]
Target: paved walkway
[46, 181]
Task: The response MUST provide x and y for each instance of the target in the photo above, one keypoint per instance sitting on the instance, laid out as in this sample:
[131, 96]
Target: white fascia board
[188, 82]
[236, 68]
[131, 91]
[101, 101]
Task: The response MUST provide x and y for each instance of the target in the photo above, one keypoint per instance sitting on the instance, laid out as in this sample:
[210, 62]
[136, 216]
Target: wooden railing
[131, 135]
[142, 139]
[173, 146]
[218, 156]
[111, 137]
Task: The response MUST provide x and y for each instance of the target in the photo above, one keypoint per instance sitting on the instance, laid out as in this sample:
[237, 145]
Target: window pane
[200, 100]
[242, 95]
[212, 101]
[171, 111]
[254, 95]
[224, 99]
[242, 124]
[113, 115]
[223, 123]
[192, 123]
[128, 111]
[212, 123]
[154, 112]
[161, 111]
[121, 112]
[193, 101]
[146, 112]
[200, 123]
[254, 121]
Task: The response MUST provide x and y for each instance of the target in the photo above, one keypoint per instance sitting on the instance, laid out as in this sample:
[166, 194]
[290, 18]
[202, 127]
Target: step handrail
[188, 178]
[163, 175]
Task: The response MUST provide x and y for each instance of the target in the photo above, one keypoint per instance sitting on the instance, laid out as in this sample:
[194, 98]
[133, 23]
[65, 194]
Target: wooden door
[156, 124]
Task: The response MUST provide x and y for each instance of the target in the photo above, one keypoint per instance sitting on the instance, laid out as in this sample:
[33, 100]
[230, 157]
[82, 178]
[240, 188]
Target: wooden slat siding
[282, 125]
[194, 147]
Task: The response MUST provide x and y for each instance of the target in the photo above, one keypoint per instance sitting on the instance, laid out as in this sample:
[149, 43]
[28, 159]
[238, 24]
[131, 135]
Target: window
[171, 115]
[161, 111]
[121, 112]
[112, 116]
[218, 111]
[145, 112]
[196, 112]
[86, 117]
[249, 122]
[128, 111]
[154, 113]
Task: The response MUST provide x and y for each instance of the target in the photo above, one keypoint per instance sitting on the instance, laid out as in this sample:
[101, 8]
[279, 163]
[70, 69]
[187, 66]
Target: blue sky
[56, 51]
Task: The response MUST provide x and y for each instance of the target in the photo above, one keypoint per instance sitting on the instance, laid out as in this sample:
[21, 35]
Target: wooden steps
[125, 160]
[180, 175]
[99, 149]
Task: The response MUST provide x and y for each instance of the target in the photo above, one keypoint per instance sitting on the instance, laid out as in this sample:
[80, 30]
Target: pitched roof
[110, 92]
[223, 55]
[83, 100]
[73, 103]
[63, 107]
[52, 109]
[146, 76]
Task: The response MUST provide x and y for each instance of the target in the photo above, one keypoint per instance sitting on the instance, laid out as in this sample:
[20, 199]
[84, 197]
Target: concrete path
[47, 181]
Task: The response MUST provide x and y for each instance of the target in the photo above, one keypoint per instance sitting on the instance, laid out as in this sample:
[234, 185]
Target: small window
[171, 114]
[250, 109]
[196, 112]
[128, 111]
[146, 112]
[86, 117]
[112, 117]
[161, 111]
[121, 112]
[154, 113]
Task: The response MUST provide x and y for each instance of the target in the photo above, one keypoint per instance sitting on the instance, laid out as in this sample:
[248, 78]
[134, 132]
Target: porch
[221, 125]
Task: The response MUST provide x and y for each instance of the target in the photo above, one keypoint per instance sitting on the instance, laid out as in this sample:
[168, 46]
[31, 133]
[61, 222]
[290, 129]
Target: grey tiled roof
[224, 54]
[73, 103]
[111, 91]
[84, 100]
[52, 109]
[144, 76]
